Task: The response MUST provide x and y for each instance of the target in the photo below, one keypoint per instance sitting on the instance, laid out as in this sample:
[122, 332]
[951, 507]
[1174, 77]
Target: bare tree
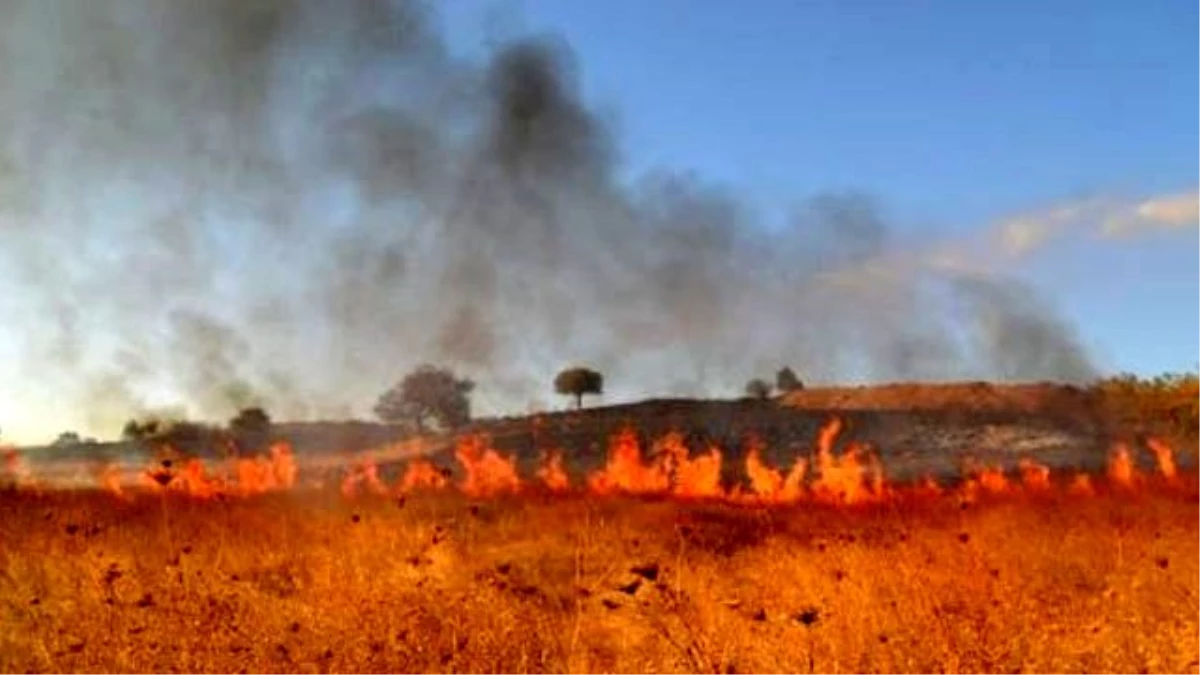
[427, 393]
[578, 381]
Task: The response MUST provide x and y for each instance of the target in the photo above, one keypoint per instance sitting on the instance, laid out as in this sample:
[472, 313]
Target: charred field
[641, 551]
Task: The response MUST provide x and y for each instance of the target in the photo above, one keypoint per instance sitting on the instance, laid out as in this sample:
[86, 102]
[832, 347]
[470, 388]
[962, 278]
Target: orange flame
[769, 484]
[928, 487]
[1164, 456]
[421, 474]
[687, 477]
[625, 471]
[17, 473]
[12, 462]
[487, 472]
[1121, 472]
[553, 473]
[1081, 486]
[109, 477]
[855, 476]
[852, 478]
[194, 481]
[363, 478]
[1035, 477]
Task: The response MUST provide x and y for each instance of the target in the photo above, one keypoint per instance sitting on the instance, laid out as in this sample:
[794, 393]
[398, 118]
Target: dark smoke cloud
[292, 202]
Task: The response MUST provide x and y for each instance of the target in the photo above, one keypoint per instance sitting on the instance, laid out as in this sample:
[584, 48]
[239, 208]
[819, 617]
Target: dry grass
[304, 582]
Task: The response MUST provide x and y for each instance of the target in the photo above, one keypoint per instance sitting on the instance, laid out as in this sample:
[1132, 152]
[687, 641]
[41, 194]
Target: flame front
[855, 476]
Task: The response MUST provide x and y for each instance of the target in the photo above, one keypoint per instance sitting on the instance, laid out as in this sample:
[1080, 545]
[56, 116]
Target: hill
[1061, 401]
[915, 427]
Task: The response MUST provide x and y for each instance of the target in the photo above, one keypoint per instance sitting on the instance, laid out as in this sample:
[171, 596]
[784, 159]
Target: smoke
[292, 202]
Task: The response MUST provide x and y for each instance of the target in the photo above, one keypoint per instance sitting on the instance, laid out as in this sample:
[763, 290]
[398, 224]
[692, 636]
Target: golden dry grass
[305, 582]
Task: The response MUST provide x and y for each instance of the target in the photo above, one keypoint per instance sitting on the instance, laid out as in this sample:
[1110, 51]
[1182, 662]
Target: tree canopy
[136, 431]
[786, 380]
[427, 393]
[758, 389]
[251, 429]
[578, 381]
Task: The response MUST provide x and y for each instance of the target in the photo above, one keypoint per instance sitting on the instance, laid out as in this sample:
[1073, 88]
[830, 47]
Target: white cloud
[1023, 235]
[1167, 212]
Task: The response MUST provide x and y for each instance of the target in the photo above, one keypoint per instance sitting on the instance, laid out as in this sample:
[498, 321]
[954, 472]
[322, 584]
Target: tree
[786, 380]
[193, 439]
[67, 438]
[250, 420]
[427, 393]
[758, 389]
[578, 381]
[138, 431]
[251, 429]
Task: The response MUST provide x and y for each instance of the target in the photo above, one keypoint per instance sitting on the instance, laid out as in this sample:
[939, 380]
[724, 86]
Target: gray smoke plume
[292, 202]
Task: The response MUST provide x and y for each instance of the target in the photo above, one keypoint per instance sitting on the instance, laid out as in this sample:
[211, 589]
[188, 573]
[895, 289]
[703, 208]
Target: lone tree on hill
[758, 389]
[427, 393]
[786, 380]
[578, 381]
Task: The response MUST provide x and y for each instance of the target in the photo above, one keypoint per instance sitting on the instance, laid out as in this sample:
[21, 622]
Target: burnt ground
[910, 442]
[915, 428]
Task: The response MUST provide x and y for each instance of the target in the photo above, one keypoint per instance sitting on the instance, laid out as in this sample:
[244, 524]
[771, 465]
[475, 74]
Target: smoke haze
[210, 204]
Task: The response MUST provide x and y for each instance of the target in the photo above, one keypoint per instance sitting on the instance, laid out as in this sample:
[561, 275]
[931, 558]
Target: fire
[1121, 472]
[194, 480]
[1081, 486]
[625, 471]
[421, 474]
[1035, 477]
[1165, 458]
[244, 476]
[363, 478]
[853, 476]
[16, 473]
[488, 473]
[993, 480]
[553, 473]
[254, 475]
[109, 477]
[767, 483]
[699, 477]
[257, 475]
[928, 488]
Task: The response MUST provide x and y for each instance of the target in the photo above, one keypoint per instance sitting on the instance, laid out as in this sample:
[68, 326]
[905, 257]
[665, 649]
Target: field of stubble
[308, 582]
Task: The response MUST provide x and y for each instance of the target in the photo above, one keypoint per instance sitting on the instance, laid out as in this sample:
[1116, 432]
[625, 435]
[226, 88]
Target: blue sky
[955, 115]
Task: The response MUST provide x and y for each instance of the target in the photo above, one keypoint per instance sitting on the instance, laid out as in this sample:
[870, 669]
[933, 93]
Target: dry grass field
[1025, 575]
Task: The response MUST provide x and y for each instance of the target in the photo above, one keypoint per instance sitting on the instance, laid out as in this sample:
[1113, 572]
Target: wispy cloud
[1106, 218]
[1166, 212]
[995, 248]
